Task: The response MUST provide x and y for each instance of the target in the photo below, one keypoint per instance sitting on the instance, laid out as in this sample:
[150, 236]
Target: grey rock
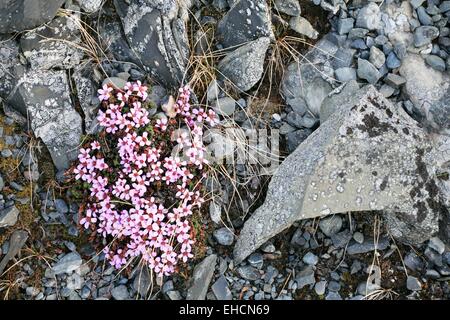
[416, 3]
[333, 296]
[44, 96]
[202, 276]
[435, 62]
[256, 260]
[249, 273]
[334, 286]
[436, 244]
[221, 290]
[320, 287]
[174, 295]
[297, 190]
[224, 236]
[156, 32]
[295, 138]
[246, 21]
[392, 61]
[358, 237]
[432, 274]
[120, 293]
[331, 225]
[423, 16]
[16, 16]
[345, 25]
[367, 246]
[213, 91]
[9, 216]
[345, 74]
[2, 183]
[377, 57]
[90, 6]
[68, 263]
[368, 71]
[413, 284]
[289, 7]
[332, 102]
[303, 26]
[54, 45]
[16, 242]
[369, 17]
[423, 35]
[303, 82]
[245, 65]
[429, 91]
[413, 262]
[343, 58]
[114, 82]
[310, 259]
[387, 91]
[86, 92]
[224, 106]
[305, 277]
[394, 80]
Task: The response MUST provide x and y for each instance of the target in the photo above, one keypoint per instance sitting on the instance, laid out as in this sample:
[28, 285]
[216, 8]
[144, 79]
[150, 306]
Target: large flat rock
[368, 156]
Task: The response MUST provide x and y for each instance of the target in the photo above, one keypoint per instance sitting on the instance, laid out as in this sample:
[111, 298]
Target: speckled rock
[156, 32]
[45, 98]
[367, 156]
[246, 21]
[19, 15]
[54, 45]
[245, 65]
[429, 91]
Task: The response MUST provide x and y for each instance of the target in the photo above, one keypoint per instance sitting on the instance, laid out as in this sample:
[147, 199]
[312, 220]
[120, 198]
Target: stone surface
[44, 97]
[246, 21]
[245, 65]
[331, 225]
[221, 290]
[429, 91]
[201, 278]
[16, 242]
[289, 7]
[70, 262]
[379, 148]
[413, 284]
[19, 15]
[54, 45]
[224, 236]
[368, 71]
[307, 82]
[157, 34]
[8, 216]
[304, 27]
[369, 17]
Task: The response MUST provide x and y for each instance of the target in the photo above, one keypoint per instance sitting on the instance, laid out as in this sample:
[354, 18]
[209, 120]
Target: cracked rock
[368, 156]
[245, 65]
[246, 21]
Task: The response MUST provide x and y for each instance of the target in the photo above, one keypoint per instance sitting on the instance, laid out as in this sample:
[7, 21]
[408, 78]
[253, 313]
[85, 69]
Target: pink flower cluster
[129, 170]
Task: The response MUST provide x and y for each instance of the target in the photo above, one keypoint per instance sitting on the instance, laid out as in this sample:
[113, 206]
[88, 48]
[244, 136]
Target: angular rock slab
[54, 44]
[246, 21]
[367, 156]
[245, 65]
[44, 97]
[19, 15]
[201, 278]
[429, 91]
[156, 32]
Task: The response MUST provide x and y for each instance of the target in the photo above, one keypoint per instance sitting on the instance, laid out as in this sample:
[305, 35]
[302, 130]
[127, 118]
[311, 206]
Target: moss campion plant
[142, 177]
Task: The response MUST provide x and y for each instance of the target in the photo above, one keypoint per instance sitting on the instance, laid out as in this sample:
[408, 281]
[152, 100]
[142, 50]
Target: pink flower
[104, 93]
